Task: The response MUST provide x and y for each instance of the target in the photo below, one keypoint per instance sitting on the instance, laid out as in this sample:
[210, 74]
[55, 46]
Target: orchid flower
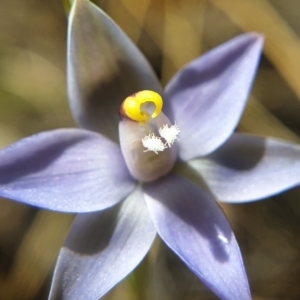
[148, 161]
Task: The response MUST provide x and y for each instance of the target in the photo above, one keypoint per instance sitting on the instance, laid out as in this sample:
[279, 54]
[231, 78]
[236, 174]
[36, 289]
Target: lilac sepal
[103, 68]
[192, 224]
[67, 170]
[101, 249]
[248, 168]
[207, 97]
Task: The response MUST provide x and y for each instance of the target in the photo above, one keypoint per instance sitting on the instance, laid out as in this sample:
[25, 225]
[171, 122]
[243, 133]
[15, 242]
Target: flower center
[147, 136]
[132, 108]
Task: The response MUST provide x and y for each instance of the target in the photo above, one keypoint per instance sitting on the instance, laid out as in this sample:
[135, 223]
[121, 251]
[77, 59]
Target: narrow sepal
[207, 97]
[103, 68]
[248, 168]
[101, 249]
[68, 170]
[192, 224]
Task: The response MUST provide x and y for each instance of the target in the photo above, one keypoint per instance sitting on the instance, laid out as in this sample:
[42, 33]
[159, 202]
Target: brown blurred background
[170, 33]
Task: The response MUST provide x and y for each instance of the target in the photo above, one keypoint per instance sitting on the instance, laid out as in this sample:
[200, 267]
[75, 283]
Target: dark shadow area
[89, 235]
[102, 104]
[240, 152]
[26, 162]
[91, 232]
[196, 208]
[116, 71]
[189, 77]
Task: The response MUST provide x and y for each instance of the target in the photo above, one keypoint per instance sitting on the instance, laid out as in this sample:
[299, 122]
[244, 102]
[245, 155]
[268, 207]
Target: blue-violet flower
[176, 158]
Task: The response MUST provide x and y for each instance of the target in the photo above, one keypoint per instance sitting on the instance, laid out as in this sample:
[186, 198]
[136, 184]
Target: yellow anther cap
[131, 106]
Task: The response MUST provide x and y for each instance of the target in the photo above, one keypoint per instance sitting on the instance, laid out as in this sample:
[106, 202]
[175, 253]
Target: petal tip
[256, 39]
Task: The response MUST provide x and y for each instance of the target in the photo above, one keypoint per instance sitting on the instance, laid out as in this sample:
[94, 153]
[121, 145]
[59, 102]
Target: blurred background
[170, 33]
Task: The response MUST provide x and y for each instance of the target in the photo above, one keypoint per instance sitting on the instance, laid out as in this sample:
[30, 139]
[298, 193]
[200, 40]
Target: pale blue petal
[207, 97]
[248, 168]
[192, 224]
[101, 249]
[103, 68]
[68, 170]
